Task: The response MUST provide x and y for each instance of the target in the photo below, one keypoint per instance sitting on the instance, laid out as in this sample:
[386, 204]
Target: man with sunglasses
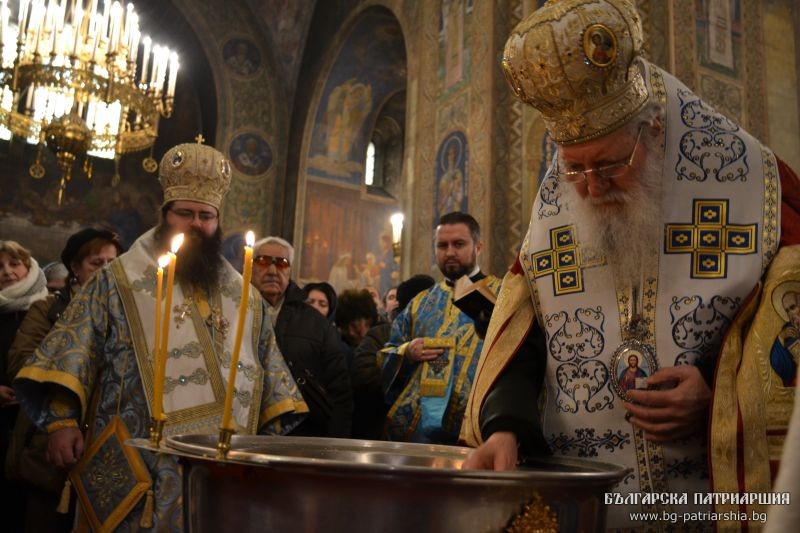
[309, 342]
[94, 370]
[656, 220]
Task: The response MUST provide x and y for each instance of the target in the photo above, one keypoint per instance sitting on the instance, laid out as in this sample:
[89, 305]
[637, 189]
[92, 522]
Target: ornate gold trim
[536, 517]
[115, 429]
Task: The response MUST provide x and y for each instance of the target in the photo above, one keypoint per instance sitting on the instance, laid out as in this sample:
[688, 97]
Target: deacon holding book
[94, 370]
[429, 362]
[664, 234]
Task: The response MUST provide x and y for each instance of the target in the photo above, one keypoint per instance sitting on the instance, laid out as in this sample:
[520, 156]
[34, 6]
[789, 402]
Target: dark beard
[454, 272]
[200, 260]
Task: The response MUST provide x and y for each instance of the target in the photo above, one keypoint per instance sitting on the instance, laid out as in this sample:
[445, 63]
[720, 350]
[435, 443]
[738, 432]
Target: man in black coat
[308, 342]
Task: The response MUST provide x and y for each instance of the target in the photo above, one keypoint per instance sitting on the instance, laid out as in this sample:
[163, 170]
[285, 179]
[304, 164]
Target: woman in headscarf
[85, 252]
[322, 297]
[22, 282]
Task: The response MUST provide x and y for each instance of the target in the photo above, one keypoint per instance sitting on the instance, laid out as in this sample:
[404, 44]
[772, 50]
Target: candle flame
[177, 241]
[397, 226]
[163, 261]
[250, 238]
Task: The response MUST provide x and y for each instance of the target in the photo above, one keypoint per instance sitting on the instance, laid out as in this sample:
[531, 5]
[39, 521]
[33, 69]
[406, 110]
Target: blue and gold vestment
[96, 364]
[428, 399]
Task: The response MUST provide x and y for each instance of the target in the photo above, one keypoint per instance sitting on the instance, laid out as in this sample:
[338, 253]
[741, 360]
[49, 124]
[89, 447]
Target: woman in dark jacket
[86, 252]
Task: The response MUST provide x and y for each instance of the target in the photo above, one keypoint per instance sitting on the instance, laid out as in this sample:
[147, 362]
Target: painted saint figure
[628, 377]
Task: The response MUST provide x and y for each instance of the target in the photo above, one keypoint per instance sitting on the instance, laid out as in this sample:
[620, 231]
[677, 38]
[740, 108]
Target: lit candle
[21, 24]
[173, 74]
[162, 359]
[146, 42]
[77, 23]
[158, 391]
[3, 23]
[237, 343]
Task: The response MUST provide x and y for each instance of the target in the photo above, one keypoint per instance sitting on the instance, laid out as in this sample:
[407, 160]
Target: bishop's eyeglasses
[281, 263]
[607, 172]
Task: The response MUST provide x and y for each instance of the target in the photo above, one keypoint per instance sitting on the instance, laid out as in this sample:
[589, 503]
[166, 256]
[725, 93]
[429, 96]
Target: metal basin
[303, 484]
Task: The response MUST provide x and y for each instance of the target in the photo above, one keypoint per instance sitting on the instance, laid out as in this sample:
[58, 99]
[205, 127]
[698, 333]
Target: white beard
[630, 235]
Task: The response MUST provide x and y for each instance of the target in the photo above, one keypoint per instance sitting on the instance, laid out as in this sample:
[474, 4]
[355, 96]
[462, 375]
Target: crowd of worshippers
[651, 318]
[341, 349]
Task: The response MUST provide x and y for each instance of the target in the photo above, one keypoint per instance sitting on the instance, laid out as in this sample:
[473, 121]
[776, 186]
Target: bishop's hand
[499, 452]
[672, 413]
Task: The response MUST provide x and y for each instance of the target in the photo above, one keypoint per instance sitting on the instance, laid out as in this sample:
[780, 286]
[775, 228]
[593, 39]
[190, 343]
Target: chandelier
[80, 80]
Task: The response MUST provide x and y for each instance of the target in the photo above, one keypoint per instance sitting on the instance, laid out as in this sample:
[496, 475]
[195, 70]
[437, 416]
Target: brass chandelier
[73, 79]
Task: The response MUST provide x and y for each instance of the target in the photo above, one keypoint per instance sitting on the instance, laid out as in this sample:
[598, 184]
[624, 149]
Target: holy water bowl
[301, 484]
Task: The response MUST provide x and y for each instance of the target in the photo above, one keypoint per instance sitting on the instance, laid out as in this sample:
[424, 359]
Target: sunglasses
[281, 263]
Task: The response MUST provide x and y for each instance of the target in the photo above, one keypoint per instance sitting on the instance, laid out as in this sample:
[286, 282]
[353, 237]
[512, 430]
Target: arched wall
[337, 221]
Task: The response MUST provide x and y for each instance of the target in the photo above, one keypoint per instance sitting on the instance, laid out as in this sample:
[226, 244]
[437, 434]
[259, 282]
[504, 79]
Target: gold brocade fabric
[511, 320]
[110, 478]
[752, 402]
[575, 61]
[194, 172]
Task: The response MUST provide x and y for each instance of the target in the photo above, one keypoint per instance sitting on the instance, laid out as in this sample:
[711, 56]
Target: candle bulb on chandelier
[77, 22]
[3, 25]
[133, 47]
[173, 74]
[127, 27]
[21, 23]
[146, 42]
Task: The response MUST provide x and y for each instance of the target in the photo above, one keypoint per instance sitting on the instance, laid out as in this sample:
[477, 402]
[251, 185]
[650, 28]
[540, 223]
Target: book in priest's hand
[475, 299]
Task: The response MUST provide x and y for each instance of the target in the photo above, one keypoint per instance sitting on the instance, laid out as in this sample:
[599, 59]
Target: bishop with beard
[93, 374]
[666, 216]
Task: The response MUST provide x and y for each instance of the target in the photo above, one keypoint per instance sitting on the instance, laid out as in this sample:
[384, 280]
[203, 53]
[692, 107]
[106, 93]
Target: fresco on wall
[28, 205]
[347, 239]
[250, 154]
[451, 43]
[369, 68]
[451, 175]
[241, 56]
[719, 35]
[288, 21]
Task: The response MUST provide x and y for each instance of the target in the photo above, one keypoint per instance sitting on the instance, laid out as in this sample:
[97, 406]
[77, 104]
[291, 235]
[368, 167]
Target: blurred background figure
[370, 407]
[56, 275]
[22, 283]
[322, 297]
[355, 314]
[85, 252]
[376, 297]
[390, 301]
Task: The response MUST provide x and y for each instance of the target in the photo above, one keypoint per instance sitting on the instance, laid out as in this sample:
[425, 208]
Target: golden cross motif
[199, 138]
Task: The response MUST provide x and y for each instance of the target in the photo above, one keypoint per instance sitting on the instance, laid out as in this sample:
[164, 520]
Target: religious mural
[250, 154]
[451, 175]
[719, 35]
[369, 68]
[785, 352]
[346, 236]
[241, 56]
[288, 21]
[347, 242]
[453, 54]
[28, 205]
